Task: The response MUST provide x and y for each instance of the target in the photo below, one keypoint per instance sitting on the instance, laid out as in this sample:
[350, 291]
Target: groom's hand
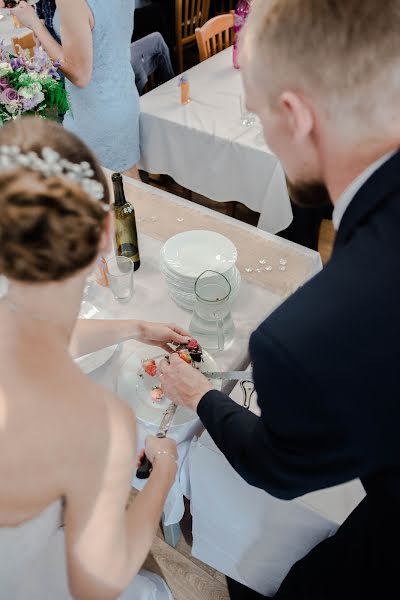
[182, 384]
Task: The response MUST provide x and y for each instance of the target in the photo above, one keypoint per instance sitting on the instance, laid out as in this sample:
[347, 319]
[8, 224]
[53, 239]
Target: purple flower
[53, 73]
[41, 60]
[30, 103]
[3, 83]
[10, 95]
[16, 63]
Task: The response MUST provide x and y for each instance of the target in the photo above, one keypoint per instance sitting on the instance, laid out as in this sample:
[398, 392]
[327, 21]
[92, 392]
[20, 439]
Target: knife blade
[230, 375]
[145, 467]
[166, 421]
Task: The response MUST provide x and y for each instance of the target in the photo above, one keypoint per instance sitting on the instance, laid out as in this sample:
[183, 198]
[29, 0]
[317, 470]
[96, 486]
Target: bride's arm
[106, 542]
[93, 334]
[76, 52]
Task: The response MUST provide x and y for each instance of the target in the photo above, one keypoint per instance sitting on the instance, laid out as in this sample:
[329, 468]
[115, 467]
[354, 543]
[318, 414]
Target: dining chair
[215, 35]
[190, 14]
[26, 42]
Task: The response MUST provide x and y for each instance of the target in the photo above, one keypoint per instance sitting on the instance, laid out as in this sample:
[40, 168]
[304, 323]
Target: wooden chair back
[215, 35]
[190, 14]
[26, 42]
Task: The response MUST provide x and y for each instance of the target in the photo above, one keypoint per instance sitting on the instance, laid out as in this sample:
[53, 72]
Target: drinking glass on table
[120, 277]
[212, 323]
[248, 118]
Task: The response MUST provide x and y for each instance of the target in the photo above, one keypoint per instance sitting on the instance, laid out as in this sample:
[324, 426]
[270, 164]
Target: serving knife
[229, 375]
[145, 466]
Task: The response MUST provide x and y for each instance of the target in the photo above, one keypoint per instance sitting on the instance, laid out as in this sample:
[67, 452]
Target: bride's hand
[26, 15]
[160, 334]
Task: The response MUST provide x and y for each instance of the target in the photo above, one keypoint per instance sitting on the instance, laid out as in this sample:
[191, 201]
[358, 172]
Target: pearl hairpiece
[51, 164]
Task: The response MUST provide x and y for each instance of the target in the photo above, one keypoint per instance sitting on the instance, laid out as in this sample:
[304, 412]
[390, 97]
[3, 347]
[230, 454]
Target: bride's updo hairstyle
[50, 227]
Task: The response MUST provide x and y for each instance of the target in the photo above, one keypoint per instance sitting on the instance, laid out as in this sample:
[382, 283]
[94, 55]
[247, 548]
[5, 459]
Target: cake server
[230, 375]
[145, 466]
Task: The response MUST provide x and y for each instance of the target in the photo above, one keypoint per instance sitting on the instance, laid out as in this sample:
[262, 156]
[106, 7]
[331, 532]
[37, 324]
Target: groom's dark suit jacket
[327, 372]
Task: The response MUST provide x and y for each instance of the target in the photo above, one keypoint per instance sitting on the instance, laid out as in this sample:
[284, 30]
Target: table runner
[278, 266]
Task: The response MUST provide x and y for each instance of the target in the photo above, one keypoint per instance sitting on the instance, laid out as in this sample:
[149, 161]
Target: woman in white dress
[67, 446]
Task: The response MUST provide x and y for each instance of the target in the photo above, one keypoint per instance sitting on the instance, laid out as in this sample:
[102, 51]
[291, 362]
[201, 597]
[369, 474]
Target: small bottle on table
[185, 89]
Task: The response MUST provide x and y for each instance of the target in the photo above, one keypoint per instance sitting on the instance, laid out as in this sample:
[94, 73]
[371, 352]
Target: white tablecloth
[151, 302]
[205, 147]
[8, 31]
[247, 534]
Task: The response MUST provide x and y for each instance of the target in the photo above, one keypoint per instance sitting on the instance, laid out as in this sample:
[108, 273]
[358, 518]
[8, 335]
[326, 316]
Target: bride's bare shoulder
[80, 410]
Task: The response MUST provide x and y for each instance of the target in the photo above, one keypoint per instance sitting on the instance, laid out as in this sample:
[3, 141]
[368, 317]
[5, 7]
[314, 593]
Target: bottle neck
[119, 193]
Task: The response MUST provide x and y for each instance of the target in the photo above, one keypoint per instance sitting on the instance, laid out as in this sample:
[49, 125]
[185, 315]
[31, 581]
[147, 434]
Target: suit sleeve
[300, 443]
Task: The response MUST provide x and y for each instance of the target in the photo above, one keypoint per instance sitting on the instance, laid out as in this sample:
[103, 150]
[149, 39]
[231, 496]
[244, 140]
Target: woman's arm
[106, 542]
[93, 334]
[76, 52]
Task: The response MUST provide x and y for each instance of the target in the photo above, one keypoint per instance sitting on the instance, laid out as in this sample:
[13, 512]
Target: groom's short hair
[345, 53]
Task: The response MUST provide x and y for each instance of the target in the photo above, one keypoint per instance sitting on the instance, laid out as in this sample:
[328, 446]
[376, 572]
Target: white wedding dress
[33, 565]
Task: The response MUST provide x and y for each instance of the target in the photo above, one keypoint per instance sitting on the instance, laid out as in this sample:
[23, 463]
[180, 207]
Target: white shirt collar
[349, 193]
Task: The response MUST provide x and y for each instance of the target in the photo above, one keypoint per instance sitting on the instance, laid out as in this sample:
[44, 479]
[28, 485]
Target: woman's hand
[162, 454]
[182, 384]
[159, 334]
[26, 15]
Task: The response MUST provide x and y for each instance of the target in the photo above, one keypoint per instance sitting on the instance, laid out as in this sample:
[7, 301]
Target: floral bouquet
[30, 86]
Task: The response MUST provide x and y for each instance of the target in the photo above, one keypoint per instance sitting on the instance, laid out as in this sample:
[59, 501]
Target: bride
[67, 446]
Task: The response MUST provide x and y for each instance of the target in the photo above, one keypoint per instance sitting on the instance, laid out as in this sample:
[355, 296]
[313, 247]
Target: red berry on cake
[157, 393]
[150, 367]
[193, 345]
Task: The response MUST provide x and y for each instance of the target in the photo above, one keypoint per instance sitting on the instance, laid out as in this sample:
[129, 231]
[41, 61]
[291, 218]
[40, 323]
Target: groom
[323, 76]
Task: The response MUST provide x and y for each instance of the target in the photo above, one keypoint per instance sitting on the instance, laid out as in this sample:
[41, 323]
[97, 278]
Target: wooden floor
[188, 578]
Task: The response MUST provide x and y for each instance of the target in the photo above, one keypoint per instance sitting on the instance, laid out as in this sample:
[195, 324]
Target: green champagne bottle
[125, 223]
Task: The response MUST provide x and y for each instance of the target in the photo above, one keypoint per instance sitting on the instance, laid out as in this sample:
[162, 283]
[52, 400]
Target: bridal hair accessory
[51, 164]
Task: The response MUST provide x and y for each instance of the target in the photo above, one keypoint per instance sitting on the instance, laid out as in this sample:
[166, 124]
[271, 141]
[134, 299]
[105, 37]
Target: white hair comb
[51, 164]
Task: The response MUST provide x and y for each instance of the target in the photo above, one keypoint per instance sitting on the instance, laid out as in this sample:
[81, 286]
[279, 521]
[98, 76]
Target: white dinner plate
[95, 360]
[187, 300]
[190, 253]
[135, 389]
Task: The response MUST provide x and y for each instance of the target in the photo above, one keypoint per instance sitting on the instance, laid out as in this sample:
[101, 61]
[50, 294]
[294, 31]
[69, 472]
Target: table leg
[172, 533]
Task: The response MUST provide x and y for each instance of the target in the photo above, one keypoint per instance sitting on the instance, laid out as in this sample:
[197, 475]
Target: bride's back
[41, 394]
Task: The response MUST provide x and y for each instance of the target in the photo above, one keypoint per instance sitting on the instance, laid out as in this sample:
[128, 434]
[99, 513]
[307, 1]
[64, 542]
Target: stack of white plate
[187, 255]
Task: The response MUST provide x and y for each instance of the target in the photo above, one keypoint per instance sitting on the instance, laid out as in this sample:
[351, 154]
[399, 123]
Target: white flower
[5, 68]
[30, 91]
[39, 97]
[13, 107]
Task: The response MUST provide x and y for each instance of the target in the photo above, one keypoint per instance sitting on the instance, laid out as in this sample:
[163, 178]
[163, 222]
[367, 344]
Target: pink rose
[10, 95]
